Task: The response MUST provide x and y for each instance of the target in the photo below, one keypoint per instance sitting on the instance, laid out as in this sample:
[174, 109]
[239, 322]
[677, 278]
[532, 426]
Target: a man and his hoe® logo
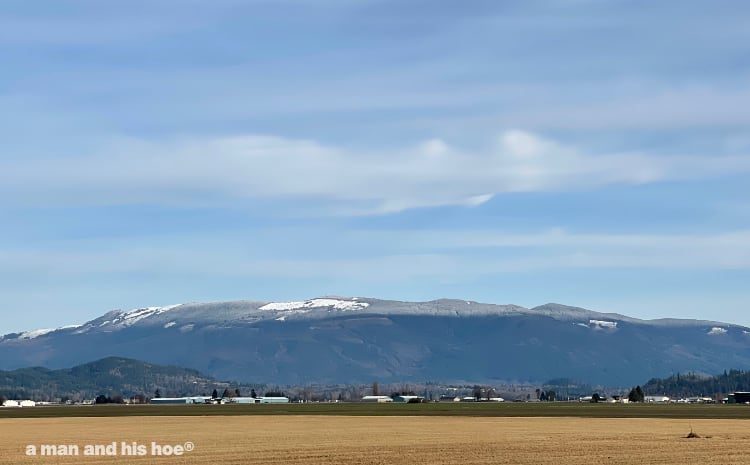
[113, 449]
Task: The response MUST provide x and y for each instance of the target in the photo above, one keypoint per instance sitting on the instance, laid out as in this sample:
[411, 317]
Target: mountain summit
[336, 339]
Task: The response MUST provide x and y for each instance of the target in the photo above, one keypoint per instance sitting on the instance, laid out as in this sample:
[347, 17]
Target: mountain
[329, 340]
[106, 376]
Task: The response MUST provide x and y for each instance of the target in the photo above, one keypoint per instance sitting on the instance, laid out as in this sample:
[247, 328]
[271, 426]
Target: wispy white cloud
[562, 249]
[676, 107]
[413, 254]
[341, 179]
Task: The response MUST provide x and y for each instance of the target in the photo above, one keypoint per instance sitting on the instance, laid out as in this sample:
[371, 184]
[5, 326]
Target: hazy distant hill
[363, 340]
[107, 377]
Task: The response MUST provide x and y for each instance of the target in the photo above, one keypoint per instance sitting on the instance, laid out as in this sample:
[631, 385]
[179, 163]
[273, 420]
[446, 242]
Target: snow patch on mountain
[132, 317]
[35, 333]
[717, 330]
[41, 332]
[601, 324]
[316, 303]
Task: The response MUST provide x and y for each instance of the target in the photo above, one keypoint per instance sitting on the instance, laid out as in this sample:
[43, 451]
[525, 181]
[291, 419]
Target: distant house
[11, 403]
[377, 399]
[656, 399]
[449, 399]
[27, 403]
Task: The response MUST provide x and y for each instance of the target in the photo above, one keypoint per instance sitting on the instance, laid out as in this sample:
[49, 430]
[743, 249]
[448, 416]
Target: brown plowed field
[385, 440]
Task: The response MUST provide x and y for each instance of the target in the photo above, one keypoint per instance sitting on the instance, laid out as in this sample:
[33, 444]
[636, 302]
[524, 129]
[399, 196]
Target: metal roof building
[377, 399]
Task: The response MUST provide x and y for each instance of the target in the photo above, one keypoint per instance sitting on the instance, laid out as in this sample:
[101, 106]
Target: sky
[590, 153]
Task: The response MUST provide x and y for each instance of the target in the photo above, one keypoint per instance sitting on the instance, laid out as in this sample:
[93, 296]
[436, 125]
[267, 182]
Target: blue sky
[592, 153]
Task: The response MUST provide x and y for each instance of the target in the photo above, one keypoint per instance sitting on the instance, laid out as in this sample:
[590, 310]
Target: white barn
[377, 399]
[19, 403]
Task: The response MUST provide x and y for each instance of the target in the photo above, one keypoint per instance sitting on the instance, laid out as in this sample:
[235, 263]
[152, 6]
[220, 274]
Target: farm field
[316, 439]
[479, 409]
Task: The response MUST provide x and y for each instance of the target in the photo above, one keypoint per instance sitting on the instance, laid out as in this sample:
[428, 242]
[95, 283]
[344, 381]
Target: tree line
[692, 384]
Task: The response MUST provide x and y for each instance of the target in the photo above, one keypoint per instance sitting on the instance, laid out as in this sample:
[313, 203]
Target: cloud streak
[231, 170]
[436, 254]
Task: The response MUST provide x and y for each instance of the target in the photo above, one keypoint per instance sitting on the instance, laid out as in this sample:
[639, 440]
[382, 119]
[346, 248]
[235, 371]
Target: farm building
[409, 399]
[19, 403]
[377, 399]
[449, 399]
[696, 400]
[656, 399]
[181, 400]
[742, 397]
[171, 400]
[256, 400]
[240, 400]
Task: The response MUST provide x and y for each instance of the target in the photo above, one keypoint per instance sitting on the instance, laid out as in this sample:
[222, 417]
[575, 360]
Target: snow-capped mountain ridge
[343, 339]
[249, 312]
[337, 304]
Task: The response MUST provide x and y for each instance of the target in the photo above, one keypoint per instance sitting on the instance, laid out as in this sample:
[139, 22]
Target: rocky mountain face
[331, 340]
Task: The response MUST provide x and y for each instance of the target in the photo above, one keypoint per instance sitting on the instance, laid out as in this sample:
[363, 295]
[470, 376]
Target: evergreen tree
[636, 395]
[477, 392]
